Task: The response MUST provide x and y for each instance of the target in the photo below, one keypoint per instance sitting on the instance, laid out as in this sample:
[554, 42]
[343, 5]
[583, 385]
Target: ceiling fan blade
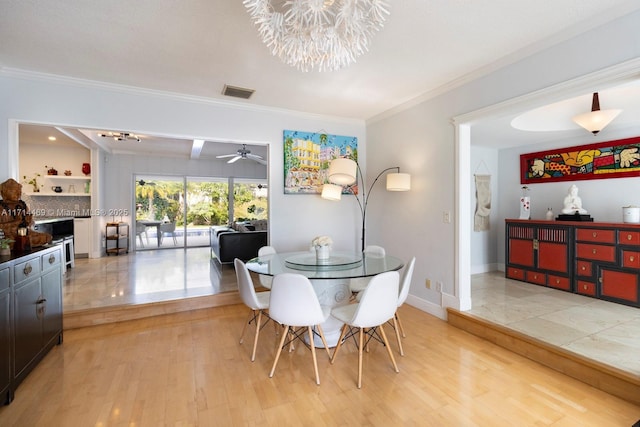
[224, 156]
[260, 160]
[235, 159]
[254, 156]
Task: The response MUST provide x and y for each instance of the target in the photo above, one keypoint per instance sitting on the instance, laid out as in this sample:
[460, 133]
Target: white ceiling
[195, 47]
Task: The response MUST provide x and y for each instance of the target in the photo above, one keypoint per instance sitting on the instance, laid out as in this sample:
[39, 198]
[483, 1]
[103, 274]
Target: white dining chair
[258, 302]
[358, 284]
[294, 304]
[170, 229]
[377, 306]
[405, 284]
[265, 280]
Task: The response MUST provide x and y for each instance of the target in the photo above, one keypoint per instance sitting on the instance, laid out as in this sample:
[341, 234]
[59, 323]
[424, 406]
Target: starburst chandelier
[317, 34]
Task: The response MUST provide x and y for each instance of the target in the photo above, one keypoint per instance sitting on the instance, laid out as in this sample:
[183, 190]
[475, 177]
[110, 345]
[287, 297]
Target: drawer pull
[632, 258]
[535, 276]
[584, 287]
[583, 268]
[594, 251]
[595, 234]
[27, 269]
[52, 259]
[557, 281]
[41, 301]
[629, 237]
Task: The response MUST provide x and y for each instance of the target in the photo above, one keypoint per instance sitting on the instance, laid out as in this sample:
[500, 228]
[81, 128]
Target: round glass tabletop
[341, 265]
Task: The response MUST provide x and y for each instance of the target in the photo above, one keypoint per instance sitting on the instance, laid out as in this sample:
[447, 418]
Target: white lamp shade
[331, 192]
[343, 171]
[595, 121]
[398, 182]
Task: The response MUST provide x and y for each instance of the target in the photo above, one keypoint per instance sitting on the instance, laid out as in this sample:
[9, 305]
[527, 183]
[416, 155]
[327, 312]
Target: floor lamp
[343, 174]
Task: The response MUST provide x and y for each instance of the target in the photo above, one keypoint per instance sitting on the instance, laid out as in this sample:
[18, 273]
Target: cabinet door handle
[594, 251]
[27, 269]
[557, 281]
[595, 234]
[41, 300]
[628, 236]
[632, 258]
[52, 259]
[583, 268]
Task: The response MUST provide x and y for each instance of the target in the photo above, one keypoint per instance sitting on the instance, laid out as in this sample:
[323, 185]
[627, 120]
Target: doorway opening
[178, 211]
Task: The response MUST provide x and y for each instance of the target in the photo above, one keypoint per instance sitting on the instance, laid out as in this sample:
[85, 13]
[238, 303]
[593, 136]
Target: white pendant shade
[343, 171]
[597, 119]
[331, 192]
[398, 182]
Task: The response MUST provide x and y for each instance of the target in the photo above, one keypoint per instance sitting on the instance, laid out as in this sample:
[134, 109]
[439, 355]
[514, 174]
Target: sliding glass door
[174, 212]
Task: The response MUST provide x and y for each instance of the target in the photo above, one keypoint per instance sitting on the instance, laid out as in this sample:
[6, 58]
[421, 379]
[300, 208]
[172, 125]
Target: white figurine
[573, 203]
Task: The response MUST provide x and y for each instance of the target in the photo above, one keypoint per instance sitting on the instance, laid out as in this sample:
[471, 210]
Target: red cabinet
[600, 260]
[539, 253]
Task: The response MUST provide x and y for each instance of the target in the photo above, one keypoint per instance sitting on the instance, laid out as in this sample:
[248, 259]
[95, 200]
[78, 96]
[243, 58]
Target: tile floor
[604, 331]
[600, 330]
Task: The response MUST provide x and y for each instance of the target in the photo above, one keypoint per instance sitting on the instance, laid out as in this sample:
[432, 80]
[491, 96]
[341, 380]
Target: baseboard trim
[603, 377]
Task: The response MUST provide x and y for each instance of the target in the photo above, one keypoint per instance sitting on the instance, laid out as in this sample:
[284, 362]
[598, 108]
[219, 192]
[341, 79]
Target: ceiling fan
[243, 153]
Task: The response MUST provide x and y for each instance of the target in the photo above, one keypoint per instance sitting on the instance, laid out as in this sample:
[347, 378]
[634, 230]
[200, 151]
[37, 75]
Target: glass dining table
[329, 277]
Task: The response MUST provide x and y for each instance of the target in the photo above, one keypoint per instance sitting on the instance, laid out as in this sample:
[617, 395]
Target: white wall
[294, 219]
[484, 244]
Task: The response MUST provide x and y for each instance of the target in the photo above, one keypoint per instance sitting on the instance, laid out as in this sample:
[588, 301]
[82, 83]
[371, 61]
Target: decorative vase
[5, 251]
[86, 168]
[525, 208]
[322, 253]
[549, 214]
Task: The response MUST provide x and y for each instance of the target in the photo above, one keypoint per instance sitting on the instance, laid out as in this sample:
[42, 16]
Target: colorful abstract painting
[307, 156]
[612, 159]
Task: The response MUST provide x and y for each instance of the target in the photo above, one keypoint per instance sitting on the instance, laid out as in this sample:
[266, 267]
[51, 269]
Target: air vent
[237, 92]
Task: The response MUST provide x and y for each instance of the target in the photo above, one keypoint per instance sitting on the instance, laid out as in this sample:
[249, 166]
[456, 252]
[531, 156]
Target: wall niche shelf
[63, 181]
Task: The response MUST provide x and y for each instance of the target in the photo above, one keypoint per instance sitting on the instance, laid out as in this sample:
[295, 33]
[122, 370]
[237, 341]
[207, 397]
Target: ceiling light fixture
[597, 119]
[120, 136]
[323, 34]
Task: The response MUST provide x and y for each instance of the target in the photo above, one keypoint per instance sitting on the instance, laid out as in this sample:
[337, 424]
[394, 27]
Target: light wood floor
[188, 369]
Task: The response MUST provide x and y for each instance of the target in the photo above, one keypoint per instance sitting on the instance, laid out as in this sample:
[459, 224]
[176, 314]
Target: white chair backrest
[406, 282]
[266, 250]
[379, 301]
[293, 301]
[377, 251]
[245, 285]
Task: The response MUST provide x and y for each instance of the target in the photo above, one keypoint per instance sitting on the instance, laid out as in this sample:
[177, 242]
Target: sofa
[240, 240]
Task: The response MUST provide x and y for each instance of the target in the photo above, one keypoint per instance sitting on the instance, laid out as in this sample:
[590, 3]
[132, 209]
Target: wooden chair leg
[285, 333]
[244, 329]
[313, 354]
[386, 343]
[360, 348]
[396, 328]
[397, 317]
[324, 341]
[335, 351]
[255, 339]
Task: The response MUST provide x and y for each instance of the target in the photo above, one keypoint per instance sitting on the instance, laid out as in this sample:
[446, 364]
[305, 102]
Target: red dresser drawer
[630, 259]
[597, 252]
[595, 235]
[629, 237]
[537, 278]
[621, 285]
[559, 282]
[586, 288]
[515, 273]
[583, 268]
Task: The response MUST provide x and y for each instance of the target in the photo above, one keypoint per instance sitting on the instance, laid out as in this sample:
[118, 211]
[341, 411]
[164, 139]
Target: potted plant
[5, 249]
[34, 182]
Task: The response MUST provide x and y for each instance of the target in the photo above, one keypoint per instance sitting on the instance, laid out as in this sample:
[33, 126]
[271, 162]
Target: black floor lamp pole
[365, 197]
